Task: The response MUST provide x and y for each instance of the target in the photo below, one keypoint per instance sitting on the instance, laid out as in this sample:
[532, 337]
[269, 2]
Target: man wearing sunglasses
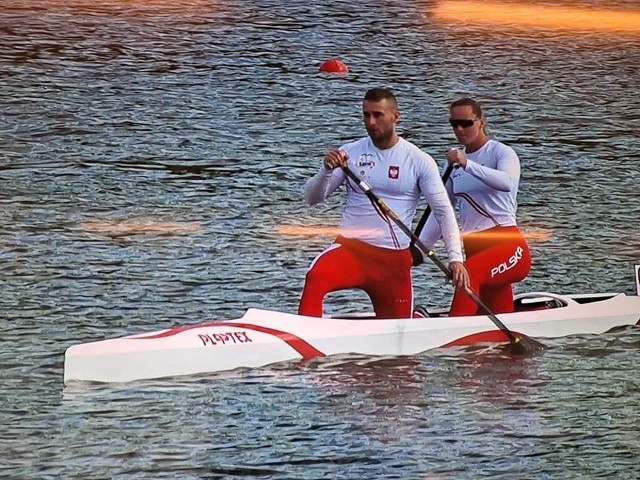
[372, 253]
[484, 187]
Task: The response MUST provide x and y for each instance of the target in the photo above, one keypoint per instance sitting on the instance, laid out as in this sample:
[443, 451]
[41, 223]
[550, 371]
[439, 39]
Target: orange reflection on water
[531, 235]
[524, 14]
[320, 231]
[123, 227]
[332, 231]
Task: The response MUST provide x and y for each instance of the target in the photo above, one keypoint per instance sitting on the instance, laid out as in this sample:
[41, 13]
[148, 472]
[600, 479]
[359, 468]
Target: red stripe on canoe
[305, 349]
[491, 336]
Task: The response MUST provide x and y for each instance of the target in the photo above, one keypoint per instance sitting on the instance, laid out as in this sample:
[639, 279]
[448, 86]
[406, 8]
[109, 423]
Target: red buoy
[334, 66]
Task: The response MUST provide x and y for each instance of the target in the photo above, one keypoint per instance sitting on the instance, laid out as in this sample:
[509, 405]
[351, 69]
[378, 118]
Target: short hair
[468, 102]
[379, 94]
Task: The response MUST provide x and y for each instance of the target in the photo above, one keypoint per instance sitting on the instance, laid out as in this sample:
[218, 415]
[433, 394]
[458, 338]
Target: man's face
[380, 119]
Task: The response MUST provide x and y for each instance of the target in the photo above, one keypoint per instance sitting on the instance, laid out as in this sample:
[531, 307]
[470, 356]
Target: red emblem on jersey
[394, 172]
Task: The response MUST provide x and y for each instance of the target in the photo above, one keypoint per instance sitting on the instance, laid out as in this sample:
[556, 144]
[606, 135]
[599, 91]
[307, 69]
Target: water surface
[198, 122]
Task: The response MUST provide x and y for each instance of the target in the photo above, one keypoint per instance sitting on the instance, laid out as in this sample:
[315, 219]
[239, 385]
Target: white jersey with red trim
[398, 175]
[485, 191]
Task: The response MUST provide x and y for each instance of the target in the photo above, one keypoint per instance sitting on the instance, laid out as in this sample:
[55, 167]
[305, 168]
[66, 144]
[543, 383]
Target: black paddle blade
[524, 345]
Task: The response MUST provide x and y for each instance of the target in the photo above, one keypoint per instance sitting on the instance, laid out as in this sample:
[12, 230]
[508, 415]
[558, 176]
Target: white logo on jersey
[508, 265]
[366, 160]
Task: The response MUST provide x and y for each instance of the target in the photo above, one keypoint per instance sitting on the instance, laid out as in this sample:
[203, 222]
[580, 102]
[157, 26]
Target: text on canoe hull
[215, 339]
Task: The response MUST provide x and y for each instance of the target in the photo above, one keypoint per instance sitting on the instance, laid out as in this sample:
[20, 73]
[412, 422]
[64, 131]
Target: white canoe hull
[263, 337]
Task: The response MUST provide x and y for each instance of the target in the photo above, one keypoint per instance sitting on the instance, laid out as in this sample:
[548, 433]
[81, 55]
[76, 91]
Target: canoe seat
[531, 304]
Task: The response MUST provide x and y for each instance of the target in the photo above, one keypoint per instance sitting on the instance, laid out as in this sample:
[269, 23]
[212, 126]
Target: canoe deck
[263, 337]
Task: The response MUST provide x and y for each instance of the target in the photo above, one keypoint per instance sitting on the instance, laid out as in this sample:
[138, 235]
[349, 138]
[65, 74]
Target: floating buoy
[334, 66]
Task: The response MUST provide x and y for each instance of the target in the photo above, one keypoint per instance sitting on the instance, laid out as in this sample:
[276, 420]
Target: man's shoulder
[414, 149]
[359, 143]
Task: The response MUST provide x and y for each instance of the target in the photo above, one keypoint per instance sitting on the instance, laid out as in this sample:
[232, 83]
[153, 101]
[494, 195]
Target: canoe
[263, 337]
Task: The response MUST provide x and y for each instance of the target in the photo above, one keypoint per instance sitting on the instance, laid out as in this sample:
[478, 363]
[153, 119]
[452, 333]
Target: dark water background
[212, 114]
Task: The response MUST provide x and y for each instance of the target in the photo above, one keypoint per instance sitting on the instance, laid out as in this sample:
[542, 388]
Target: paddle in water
[520, 344]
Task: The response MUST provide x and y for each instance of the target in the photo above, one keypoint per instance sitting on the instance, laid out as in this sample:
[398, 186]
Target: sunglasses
[464, 123]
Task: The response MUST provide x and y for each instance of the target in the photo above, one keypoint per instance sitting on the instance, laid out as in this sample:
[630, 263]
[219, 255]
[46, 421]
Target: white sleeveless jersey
[399, 176]
[485, 190]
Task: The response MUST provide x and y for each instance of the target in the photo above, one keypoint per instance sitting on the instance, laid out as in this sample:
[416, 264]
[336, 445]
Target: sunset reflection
[333, 231]
[124, 227]
[527, 15]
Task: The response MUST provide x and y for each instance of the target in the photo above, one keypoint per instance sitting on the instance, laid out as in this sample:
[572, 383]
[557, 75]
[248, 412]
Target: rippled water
[209, 116]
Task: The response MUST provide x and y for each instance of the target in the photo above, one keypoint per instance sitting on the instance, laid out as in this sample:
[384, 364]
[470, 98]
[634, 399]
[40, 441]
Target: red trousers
[495, 259]
[383, 273]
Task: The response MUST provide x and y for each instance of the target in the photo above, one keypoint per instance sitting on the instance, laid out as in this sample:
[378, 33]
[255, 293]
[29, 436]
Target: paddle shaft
[425, 216]
[445, 269]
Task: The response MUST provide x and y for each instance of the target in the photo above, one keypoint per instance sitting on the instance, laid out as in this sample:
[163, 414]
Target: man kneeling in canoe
[371, 252]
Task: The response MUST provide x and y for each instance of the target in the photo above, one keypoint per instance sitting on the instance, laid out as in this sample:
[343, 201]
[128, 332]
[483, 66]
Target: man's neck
[387, 143]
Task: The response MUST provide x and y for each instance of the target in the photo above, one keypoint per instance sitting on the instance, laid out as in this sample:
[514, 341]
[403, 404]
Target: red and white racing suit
[497, 254]
[371, 251]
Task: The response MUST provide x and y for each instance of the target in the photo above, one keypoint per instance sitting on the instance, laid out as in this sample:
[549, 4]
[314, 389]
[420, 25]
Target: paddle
[519, 344]
[415, 253]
